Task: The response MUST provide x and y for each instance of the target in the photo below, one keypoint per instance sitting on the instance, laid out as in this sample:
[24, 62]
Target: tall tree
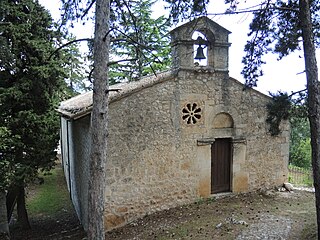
[139, 41]
[6, 175]
[278, 27]
[28, 95]
[99, 119]
[74, 65]
[313, 95]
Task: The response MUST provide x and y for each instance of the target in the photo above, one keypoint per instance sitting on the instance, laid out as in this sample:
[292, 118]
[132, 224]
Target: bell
[199, 55]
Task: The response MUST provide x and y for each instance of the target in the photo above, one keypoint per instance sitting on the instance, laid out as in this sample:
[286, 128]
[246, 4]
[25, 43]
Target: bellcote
[183, 45]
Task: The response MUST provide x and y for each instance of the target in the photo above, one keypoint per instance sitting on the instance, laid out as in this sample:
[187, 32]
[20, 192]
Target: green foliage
[29, 90]
[278, 110]
[301, 154]
[51, 197]
[300, 176]
[275, 28]
[284, 107]
[186, 9]
[300, 147]
[139, 45]
[140, 40]
[75, 68]
[7, 166]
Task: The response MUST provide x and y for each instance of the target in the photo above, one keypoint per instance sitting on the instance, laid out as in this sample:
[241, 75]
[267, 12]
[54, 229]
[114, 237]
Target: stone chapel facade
[184, 134]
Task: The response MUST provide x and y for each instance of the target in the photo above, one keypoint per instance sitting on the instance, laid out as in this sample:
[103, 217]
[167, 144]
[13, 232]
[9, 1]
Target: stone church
[177, 136]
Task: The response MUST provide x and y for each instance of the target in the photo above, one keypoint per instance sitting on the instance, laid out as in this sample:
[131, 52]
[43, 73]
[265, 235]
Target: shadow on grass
[50, 211]
[51, 197]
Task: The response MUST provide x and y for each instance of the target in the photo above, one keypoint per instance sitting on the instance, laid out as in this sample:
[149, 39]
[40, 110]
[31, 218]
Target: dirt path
[271, 215]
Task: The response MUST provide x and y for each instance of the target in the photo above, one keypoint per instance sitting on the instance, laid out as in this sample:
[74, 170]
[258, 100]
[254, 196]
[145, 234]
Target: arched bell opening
[200, 49]
[185, 46]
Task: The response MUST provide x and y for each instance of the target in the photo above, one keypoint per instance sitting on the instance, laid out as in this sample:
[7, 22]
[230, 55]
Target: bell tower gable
[216, 44]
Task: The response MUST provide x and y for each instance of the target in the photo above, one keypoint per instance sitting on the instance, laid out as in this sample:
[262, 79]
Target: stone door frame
[239, 174]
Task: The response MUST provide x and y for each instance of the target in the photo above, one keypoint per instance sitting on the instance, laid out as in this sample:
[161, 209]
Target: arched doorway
[221, 156]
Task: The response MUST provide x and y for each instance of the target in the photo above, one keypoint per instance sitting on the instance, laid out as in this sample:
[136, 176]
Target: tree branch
[67, 44]
[253, 11]
[90, 75]
[88, 9]
[139, 44]
[106, 35]
[297, 92]
[123, 60]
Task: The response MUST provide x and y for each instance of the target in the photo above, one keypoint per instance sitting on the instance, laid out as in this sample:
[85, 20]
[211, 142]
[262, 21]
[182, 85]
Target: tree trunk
[12, 195]
[23, 219]
[99, 122]
[4, 226]
[313, 97]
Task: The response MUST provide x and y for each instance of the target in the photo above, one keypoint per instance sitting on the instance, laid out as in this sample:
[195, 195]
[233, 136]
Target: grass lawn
[50, 197]
[50, 211]
[52, 217]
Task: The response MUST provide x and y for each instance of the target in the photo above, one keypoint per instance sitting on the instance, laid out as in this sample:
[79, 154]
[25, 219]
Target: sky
[284, 75]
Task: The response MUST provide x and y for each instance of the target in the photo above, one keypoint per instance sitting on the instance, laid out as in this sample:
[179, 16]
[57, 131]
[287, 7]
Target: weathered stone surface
[153, 146]
[160, 136]
[240, 182]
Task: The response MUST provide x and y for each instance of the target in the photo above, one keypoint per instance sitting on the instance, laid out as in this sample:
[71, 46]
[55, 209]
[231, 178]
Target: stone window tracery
[191, 113]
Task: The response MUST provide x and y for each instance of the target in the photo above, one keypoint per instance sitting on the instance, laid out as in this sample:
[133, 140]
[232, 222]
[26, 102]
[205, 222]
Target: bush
[300, 154]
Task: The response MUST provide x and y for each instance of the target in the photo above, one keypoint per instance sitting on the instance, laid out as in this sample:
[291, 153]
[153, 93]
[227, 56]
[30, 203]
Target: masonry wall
[157, 160]
[150, 168]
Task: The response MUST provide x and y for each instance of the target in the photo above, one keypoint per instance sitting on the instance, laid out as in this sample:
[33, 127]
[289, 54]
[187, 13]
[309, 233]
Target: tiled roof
[81, 104]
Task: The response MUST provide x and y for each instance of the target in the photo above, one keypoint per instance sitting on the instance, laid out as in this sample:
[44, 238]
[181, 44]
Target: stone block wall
[150, 167]
[158, 160]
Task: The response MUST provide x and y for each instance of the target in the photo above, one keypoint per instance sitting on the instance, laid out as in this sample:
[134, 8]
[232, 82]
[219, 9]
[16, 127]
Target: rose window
[191, 113]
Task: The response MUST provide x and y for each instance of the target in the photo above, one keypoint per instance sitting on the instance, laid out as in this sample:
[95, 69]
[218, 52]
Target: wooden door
[221, 165]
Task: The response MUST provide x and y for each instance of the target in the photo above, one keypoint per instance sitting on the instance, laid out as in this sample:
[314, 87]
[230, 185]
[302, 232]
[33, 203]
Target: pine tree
[74, 65]
[283, 27]
[6, 176]
[29, 88]
[140, 40]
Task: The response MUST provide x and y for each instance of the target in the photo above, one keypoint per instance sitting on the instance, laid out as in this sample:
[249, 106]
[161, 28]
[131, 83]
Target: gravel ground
[257, 215]
[267, 215]
[269, 227]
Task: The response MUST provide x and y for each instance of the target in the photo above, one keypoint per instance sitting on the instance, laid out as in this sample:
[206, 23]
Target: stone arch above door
[222, 120]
